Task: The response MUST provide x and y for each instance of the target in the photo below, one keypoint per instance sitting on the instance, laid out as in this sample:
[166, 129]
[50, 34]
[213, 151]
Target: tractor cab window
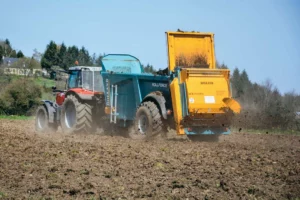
[74, 79]
[87, 79]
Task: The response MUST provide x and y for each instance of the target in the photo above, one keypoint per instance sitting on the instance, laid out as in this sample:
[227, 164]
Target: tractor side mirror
[53, 87]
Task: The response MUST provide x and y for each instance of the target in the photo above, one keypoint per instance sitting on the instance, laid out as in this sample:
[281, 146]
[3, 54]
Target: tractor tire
[76, 116]
[42, 124]
[148, 122]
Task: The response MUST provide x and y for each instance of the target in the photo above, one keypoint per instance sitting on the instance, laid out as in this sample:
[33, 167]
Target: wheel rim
[41, 119]
[143, 124]
[70, 115]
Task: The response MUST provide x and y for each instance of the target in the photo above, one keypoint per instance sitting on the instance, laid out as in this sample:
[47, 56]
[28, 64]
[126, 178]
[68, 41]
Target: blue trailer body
[133, 84]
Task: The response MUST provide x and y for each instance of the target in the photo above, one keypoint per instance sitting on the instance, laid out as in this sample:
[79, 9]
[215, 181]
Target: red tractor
[76, 108]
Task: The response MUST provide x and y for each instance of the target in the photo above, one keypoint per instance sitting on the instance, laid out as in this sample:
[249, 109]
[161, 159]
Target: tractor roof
[86, 67]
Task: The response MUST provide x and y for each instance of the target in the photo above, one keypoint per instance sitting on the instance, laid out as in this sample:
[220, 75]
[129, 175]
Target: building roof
[8, 61]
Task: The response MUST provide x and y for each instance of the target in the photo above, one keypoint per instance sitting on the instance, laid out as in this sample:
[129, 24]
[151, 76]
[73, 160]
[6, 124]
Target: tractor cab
[85, 81]
[85, 77]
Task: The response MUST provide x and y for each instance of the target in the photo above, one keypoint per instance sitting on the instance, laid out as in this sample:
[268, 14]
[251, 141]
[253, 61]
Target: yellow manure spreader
[201, 94]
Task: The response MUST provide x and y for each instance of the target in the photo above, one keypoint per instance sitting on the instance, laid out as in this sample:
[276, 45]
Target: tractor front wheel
[148, 122]
[76, 116]
[42, 124]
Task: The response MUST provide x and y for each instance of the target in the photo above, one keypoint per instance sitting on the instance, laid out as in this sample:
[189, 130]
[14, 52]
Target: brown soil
[95, 166]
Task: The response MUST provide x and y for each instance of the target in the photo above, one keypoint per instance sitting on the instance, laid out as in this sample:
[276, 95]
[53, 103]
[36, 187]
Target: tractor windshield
[74, 79]
[92, 80]
[86, 79]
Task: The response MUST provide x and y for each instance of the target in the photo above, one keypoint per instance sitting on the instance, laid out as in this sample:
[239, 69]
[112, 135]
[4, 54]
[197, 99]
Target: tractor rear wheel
[42, 124]
[77, 116]
[148, 122]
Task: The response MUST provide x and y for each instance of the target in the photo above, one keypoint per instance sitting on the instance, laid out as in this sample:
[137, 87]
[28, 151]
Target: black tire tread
[157, 121]
[50, 127]
[84, 117]
[157, 124]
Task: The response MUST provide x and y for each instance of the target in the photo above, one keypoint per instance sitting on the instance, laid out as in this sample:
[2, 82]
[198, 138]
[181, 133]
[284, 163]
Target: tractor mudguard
[159, 99]
[50, 109]
[85, 96]
[82, 94]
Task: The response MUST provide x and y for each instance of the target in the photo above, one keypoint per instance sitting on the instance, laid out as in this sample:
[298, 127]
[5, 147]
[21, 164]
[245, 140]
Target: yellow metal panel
[190, 48]
[176, 103]
[206, 89]
[107, 110]
[232, 104]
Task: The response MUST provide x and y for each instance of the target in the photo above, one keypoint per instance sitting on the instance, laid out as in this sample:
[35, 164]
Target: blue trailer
[131, 94]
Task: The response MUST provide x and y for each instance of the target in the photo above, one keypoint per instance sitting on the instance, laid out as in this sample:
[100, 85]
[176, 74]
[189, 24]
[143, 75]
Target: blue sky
[260, 36]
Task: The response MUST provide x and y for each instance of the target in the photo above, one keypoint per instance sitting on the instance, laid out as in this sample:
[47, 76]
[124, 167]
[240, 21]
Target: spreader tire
[148, 122]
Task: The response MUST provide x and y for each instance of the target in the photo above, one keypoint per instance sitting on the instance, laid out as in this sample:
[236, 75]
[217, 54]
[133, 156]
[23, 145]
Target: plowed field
[98, 166]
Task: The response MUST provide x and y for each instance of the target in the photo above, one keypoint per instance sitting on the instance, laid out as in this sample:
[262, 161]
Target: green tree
[7, 42]
[221, 66]
[72, 55]
[245, 83]
[13, 54]
[20, 54]
[273, 110]
[33, 64]
[245, 78]
[50, 57]
[235, 81]
[149, 68]
[84, 57]
[240, 82]
[98, 60]
[1, 54]
[7, 48]
[62, 56]
[291, 105]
